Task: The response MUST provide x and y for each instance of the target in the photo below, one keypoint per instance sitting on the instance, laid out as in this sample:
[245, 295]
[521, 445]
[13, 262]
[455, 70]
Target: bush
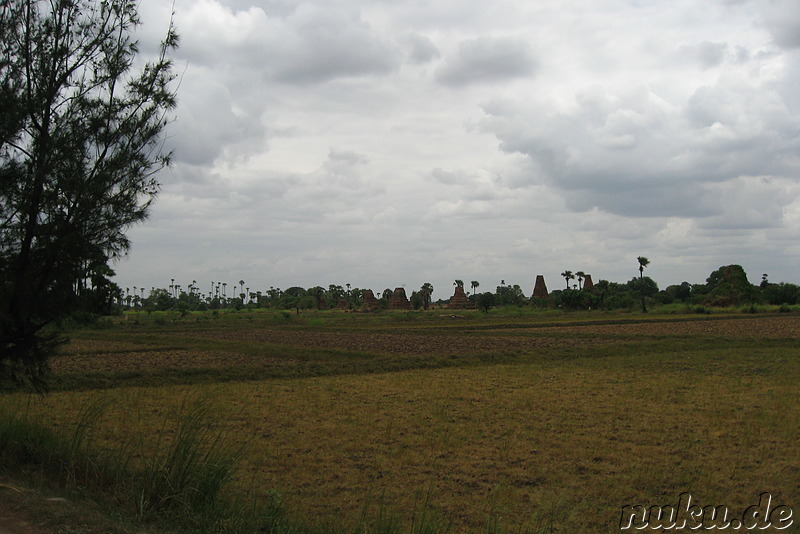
[485, 301]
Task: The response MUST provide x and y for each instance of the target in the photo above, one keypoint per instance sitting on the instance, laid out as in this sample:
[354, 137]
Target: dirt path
[13, 524]
[26, 511]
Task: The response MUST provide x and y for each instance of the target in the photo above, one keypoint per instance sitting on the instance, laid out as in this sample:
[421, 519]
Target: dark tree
[728, 286]
[643, 262]
[318, 293]
[81, 139]
[474, 284]
[580, 275]
[425, 292]
[485, 301]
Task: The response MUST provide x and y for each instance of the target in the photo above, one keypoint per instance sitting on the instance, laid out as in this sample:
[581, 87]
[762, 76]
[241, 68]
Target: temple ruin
[368, 300]
[459, 299]
[539, 288]
[588, 285]
[399, 301]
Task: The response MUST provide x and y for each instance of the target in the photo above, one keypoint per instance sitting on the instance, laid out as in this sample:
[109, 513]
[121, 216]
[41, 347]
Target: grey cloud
[782, 19]
[709, 105]
[420, 48]
[634, 154]
[657, 200]
[338, 185]
[207, 127]
[685, 152]
[447, 177]
[469, 185]
[789, 91]
[748, 203]
[306, 44]
[705, 54]
[348, 157]
[327, 43]
[488, 59]
[280, 8]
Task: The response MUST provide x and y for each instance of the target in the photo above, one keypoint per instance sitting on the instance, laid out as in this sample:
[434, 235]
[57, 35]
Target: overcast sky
[390, 143]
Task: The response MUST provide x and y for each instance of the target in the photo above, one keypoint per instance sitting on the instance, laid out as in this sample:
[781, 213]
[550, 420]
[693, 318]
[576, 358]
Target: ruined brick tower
[459, 299]
[539, 288]
[369, 302]
[399, 301]
[588, 285]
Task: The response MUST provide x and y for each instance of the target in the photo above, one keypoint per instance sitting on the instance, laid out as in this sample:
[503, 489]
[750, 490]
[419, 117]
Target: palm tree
[567, 275]
[474, 285]
[458, 283]
[580, 275]
[643, 262]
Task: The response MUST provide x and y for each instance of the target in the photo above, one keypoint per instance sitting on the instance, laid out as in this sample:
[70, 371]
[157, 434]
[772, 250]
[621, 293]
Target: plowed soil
[90, 356]
[738, 327]
[401, 343]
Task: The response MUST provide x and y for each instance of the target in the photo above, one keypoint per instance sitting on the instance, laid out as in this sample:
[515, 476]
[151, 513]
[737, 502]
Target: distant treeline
[726, 286]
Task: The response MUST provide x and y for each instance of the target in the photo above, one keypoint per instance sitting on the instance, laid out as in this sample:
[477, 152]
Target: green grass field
[512, 421]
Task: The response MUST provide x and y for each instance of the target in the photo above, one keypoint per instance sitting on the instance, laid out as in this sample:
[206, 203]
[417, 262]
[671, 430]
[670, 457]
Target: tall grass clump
[29, 445]
[182, 484]
[185, 478]
[24, 443]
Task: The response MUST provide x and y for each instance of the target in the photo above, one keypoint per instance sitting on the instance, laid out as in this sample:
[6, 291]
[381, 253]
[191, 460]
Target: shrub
[485, 301]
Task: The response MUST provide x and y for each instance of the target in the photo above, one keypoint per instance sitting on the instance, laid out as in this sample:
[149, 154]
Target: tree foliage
[508, 295]
[728, 286]
[426, 292]
[485, 301]
[782, 293]
[81, 140]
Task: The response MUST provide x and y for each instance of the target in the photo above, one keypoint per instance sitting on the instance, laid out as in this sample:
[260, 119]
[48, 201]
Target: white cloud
[635, 154]
[312, 43]
[389, 143]
[211, 122]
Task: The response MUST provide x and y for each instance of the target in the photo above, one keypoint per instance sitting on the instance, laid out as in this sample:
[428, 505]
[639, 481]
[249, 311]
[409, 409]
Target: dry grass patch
[561, 442]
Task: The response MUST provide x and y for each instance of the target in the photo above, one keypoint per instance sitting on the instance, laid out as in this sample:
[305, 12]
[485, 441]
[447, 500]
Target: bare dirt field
[738, 327]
